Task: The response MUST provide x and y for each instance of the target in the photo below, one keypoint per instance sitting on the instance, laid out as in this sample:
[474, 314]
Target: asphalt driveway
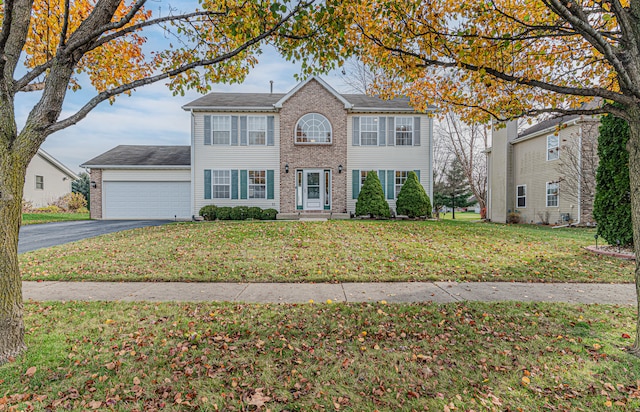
[39, 236]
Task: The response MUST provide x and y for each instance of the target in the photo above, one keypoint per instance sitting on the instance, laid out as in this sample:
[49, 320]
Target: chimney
[271, 82]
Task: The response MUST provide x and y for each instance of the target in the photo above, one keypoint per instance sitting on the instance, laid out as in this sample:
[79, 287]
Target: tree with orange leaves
[503, 59]
[64, 42]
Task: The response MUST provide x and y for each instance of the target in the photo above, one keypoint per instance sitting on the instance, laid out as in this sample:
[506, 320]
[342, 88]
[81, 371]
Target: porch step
[312, 216]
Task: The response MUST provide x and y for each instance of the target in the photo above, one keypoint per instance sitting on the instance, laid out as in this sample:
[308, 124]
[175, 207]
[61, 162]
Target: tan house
[47, 180]
[304, 152]
[545, 174]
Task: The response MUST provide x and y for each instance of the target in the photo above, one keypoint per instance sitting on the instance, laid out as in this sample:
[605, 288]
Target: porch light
[340, 169]
[286, 168]
[93, 184]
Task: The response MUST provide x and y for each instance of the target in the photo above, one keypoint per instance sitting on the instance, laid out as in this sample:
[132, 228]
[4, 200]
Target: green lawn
[467, 216]
[33, 218]
[331, 251]
[349, 357]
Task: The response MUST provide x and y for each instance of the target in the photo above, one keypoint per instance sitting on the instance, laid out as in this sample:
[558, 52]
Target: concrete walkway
[441, 292]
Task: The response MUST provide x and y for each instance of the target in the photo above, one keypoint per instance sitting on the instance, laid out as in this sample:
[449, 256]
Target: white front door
[313, 190]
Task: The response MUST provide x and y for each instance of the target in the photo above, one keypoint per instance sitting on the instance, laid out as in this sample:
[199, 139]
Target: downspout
[193, 162]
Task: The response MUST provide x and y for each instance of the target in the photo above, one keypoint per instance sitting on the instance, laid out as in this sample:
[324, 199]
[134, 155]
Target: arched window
[313, 128]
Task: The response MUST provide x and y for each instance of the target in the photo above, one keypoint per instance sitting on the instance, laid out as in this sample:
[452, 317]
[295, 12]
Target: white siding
[219, 157]
[147, 175]
[391, 158]
[56, 183]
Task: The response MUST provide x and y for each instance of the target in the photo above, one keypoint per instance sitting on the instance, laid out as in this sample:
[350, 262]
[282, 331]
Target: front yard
[333, 251]
[357, 357]
[35, 218]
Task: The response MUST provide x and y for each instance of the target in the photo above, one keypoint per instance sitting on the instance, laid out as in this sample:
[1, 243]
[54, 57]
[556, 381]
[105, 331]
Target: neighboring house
[46, 180]
[545, 174]
[306, 151]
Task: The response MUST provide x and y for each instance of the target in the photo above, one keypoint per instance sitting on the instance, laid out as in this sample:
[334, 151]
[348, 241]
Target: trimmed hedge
[213, 212]
[371, 199]
[413, 201]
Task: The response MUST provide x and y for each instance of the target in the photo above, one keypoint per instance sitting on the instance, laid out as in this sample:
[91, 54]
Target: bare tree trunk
[12, 176]
[633, 146]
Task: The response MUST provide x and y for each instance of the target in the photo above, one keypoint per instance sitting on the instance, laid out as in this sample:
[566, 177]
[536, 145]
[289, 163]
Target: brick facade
[95, 194]
[313, 98]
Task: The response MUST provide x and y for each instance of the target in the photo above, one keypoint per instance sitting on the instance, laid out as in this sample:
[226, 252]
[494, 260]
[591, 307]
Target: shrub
[254, 213]
[513, 217]
[413, 201]
[239, 212]
[371, 199]
[71, 202]
[49, 209]
[269, 214]
[27, 206]
[612, 204]
[223, 213]
[208, 212]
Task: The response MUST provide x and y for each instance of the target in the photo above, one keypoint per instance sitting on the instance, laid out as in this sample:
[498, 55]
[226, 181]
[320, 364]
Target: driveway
[39, 236]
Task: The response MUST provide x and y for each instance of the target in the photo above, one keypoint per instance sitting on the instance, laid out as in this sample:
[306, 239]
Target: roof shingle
[133, 155]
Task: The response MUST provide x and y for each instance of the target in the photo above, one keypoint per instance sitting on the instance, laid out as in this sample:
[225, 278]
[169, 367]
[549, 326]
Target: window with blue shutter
[234, 184]
[270, 184]
[270, 130]
[207, 130]
[234, 130]
[207, 184]
[416, 131]
[391, 188]
[244, 177]
[355, 183]
[356, 131]
[382, 175]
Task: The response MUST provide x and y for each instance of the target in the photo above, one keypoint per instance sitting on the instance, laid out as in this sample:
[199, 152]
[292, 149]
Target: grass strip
[365, 357]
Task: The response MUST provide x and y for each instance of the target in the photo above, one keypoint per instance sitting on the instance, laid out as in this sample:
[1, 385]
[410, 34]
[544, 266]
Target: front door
[313, 189]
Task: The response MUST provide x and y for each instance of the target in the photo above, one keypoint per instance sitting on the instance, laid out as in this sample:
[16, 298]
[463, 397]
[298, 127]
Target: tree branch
[82, 113]
[23, 83]
[65, 25]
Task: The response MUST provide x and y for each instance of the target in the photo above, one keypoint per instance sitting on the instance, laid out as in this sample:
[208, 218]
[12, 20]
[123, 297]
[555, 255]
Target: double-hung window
[363, 177]
[552, 194]
[553, 147]
[39, 182]
[521, 196]
[221, 184]
[257, 130]
[368, 131]
[221, 129]
[401, 177]
[404, 131]
[257, 184]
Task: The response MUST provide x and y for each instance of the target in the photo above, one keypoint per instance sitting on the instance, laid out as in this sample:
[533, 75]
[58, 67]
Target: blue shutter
[243, 130]
[391, 184]
[382, 131]
[355, 183]
[416, 131]
[244, 181]
[234, 184]
[207, 184]
[207, 130]
[356, 131]
[391, 131]
[417, 172]
[383, 178]
[234, 130]
[270, 131]
[270, 183]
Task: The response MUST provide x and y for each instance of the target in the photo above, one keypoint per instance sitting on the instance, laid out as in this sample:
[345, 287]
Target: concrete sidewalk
[441, 292]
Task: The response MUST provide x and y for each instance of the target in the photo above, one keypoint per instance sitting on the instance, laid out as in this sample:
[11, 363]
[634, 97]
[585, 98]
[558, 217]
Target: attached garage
[141, 182]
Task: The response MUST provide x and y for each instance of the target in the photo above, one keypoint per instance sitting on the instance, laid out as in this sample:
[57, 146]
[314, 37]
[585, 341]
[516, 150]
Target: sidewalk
[440, 292]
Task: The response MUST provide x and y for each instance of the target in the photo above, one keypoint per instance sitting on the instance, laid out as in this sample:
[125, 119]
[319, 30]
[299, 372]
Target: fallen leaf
[626, 336]
[525, 380]
[258, 399]
[31, 371]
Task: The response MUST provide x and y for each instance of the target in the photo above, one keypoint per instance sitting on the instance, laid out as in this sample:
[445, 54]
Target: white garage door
[146, 200]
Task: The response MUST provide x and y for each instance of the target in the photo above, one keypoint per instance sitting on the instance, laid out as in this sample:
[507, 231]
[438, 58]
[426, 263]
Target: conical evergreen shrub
[413, 201]
[371, 199]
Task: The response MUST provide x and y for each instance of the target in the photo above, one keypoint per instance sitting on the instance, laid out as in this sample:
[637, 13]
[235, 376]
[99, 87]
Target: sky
[151, 115]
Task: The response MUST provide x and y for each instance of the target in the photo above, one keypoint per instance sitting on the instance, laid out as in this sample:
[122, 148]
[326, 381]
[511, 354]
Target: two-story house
[306, 151]
[544, 174]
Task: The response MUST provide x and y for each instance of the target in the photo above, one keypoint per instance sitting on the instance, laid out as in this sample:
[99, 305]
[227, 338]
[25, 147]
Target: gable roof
[272, 102]
[549, 124]
[57, 164]
[142, 157]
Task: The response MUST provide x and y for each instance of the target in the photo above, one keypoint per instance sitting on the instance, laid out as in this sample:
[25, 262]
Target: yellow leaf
[525, 380]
